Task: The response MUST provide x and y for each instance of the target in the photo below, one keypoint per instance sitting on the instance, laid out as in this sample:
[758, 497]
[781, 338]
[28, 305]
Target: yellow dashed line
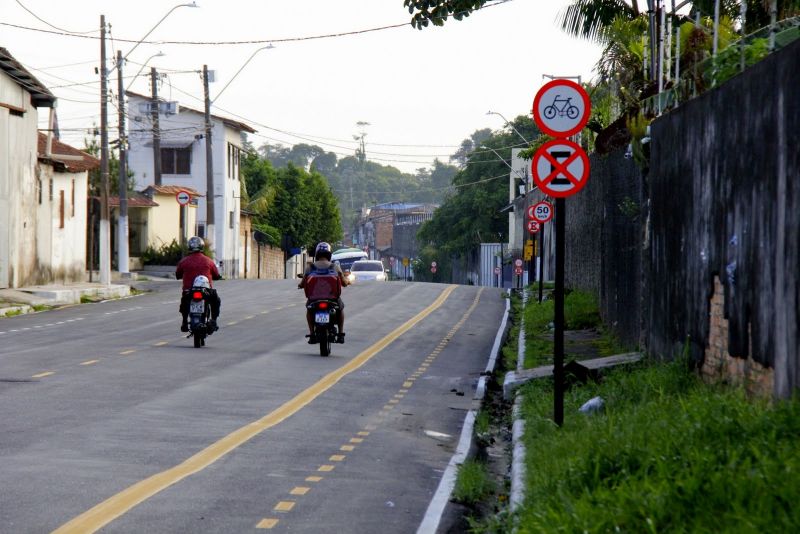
[388, 407]
[404, 390]
[362, 433]
[326, 468]
[358, 440]
[267, 523]
[232, 323]
[42, 375]
[313, 479]
[347, 448]
[264, 312]
[398, 395]
[89, 362]
[393, 401]
[407, 384]
[130, 351]
[337, 457]
[161, 343]
[249, 317]
[299, 490]
[284, 506]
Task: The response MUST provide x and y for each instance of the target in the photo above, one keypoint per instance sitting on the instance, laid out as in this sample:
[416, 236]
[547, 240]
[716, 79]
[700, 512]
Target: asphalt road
[111, 420]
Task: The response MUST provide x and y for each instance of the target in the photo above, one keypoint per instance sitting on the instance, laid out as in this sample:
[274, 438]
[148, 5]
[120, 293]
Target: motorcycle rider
[194, 265]
[323, 264]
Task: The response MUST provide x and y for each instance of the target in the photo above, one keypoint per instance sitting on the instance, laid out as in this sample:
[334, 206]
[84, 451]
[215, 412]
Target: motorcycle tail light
[197, 295]
[323, 305]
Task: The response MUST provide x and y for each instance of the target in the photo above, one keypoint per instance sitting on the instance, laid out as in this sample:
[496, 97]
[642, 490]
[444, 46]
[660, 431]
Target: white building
[183, 164]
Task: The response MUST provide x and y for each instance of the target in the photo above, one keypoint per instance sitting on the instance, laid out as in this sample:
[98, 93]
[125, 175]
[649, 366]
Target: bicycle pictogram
[561, 106]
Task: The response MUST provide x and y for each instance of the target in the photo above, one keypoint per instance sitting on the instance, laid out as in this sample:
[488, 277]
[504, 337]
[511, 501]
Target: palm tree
[588, 18]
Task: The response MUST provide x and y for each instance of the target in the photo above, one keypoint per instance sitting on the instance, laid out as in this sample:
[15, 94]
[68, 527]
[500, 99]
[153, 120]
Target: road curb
[433, 515]
[517, 493]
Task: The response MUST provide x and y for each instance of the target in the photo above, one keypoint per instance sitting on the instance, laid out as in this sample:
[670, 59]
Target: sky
[422, 92]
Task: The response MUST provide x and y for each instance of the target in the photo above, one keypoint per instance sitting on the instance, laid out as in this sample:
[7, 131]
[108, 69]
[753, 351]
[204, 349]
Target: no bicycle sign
[561, 108]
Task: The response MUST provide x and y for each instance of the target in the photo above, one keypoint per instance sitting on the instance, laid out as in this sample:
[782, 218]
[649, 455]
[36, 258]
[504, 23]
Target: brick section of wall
[719, 365]
[271, 265]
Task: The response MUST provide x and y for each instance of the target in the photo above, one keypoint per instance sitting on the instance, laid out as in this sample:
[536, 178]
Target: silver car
[367, 271]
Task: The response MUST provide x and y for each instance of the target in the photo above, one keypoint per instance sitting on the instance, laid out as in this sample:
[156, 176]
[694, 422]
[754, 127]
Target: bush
[166, 254]
[473, 483]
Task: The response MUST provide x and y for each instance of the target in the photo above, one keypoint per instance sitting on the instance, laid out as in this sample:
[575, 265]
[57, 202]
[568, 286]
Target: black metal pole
[558, 320]
[541, 262]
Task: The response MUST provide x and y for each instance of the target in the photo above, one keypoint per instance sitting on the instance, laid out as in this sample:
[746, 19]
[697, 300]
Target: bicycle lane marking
[117, 505]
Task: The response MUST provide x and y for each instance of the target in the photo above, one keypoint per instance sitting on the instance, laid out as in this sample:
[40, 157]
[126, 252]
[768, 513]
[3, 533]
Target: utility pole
[156, 128]
[122, 224]
[209, 165]
[105, 227]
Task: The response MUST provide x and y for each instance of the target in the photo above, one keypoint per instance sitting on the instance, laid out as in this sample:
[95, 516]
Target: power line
[40, 19]
[245, 42]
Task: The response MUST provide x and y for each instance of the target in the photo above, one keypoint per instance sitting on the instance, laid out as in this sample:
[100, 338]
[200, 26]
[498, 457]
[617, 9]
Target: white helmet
[201, 281]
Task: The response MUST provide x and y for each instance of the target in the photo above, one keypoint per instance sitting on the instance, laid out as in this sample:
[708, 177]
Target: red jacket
[194, 265]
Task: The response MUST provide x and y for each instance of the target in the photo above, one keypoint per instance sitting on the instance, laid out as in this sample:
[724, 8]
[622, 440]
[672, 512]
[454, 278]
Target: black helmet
[323, 250]
[196, 244]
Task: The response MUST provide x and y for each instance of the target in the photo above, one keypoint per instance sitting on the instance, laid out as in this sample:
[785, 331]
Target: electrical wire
[250, 41]
[40, 19]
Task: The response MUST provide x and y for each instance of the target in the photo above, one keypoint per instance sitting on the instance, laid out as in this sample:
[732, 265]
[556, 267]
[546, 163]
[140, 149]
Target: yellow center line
[267, 523]
[232, 323]
[249, 317]
[393, 401]
[129, 351]
[404, 390]
[284, 506]
[42, 375]
[89, 362]
[161, 343]
[299, 490]
[313, 478]
[347, 448]
[407, 384]
[116, 505]
[337, 457]
[326, 468]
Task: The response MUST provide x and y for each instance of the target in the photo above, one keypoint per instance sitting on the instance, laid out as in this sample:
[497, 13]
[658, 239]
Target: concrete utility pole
[122, 225]
[156, 127]
[209, 165]
[105, 227]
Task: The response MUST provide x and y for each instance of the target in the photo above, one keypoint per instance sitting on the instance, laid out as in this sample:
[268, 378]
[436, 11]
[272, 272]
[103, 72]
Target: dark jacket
[194, 265]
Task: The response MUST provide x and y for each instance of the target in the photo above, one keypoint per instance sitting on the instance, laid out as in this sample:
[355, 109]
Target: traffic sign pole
[558, 320]
[541, 263]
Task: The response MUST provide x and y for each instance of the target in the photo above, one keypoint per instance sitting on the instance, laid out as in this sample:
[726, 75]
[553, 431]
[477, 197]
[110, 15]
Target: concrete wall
[18, 157]
[60, 252]
[725, 190]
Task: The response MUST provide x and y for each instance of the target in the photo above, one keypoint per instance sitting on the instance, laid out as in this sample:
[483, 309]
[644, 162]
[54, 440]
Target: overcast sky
[430, 88]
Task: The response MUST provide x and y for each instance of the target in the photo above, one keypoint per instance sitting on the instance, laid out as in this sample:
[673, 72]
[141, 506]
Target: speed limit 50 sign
[541, 211]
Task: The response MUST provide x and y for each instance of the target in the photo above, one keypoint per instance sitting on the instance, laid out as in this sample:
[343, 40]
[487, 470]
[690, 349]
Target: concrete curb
[433, 515]
[23, 308]
[517, 493]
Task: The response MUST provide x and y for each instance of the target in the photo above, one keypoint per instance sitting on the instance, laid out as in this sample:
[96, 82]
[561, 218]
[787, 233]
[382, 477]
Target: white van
[347, 256]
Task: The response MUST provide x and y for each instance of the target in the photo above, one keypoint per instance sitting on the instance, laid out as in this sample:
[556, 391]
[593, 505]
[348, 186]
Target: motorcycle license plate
[322, 318]
[196, 306]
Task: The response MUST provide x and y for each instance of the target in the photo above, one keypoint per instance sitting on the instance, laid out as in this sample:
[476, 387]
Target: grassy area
[473, 482]
[669, 454]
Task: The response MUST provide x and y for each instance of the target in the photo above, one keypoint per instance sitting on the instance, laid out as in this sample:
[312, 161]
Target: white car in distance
[367, 271]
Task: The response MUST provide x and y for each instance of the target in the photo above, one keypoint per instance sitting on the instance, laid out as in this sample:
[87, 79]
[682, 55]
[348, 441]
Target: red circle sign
[560, 168]
[517, 270]
[433, 270]
[533, 226]
[541, 211]
[183, 197]
[561, 108]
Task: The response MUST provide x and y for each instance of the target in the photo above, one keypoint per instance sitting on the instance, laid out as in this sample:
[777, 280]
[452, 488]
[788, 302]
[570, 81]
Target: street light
[158, 54]
[123, 258]
[508, 123]
[241, 69]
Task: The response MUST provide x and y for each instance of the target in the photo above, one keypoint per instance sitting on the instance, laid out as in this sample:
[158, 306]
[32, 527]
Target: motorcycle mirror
[299, 276]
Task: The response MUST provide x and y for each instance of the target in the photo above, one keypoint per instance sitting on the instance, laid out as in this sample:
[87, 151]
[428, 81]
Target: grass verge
[473, 482]
[669, 454]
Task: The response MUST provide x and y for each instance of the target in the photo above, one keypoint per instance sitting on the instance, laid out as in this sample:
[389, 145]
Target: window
[176, 160]
[234, 153]
[39, 189]
[50, 192]
[230, 219]
[73, 199]
[61, 208]
[368, 266]
[201, 230]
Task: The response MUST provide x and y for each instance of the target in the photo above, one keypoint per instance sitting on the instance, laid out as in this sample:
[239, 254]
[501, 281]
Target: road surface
[112, 421]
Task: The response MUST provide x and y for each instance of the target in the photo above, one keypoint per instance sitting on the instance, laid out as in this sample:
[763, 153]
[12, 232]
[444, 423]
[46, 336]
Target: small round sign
[534, 226]
[183, 197]
[518, 262]
[433, 264]
[433, 270]
[517, 270]
[541, 211]
[391, 260]
[497, 270]
[561, 108]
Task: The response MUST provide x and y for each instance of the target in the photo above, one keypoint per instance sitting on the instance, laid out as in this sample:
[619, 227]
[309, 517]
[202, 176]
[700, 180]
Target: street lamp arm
[508, 123]
[193, 4]
[241, 69]
[142, 68]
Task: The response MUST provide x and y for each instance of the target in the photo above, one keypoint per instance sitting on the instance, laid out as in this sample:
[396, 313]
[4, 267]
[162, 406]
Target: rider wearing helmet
[322, 262]
[198, 266]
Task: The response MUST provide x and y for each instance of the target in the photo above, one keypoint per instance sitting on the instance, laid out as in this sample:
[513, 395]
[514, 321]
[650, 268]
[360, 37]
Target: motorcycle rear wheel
[198, 340]
[324, 341]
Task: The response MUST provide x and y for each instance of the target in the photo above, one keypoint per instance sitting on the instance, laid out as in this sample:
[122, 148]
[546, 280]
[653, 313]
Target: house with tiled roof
[180, 138]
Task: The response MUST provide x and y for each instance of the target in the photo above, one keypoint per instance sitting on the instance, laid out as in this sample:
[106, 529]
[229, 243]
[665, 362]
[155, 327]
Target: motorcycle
[199, 315]
[324, 323]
